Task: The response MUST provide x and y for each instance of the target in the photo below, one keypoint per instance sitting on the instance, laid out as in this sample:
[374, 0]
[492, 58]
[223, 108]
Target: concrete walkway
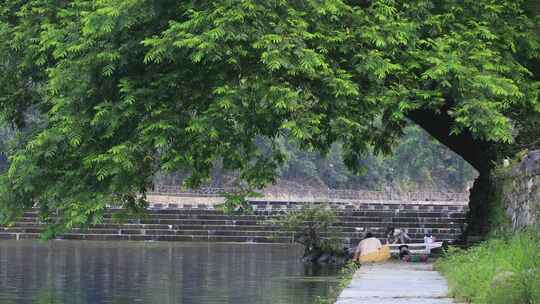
[396, 283]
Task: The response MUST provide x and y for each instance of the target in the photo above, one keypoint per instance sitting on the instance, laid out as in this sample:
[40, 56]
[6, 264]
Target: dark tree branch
[479, 153]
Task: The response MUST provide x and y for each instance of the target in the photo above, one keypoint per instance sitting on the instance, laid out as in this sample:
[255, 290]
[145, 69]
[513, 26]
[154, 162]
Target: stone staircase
[205, 224]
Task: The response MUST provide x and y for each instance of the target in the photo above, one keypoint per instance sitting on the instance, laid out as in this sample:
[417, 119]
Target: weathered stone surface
[396, 283]
[209, 225]
[521, 191]
[7, 236]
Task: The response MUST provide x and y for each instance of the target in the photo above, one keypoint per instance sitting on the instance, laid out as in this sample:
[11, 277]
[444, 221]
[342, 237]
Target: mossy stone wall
[519, 186]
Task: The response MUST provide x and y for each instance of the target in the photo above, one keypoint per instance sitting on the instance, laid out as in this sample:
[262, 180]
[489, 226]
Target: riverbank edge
[345, 277]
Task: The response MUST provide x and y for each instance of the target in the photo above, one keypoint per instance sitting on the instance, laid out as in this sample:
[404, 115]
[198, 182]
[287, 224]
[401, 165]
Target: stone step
[212, 214]
[379, 207]
[134, 228]
[175, 238]
[19, 236]
[244, 222]
[416, 236]
[267, 233]
[340, 222]
[339, 211]
[444, 222]
[350, 206]
[354, 226]
[357, 216]
[141, 229]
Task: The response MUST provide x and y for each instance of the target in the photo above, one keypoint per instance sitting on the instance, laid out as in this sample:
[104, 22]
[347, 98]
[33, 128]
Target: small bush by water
[502, 270]
[312, 226]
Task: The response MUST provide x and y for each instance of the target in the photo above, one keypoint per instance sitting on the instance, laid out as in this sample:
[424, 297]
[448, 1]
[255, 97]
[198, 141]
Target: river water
[62, 272]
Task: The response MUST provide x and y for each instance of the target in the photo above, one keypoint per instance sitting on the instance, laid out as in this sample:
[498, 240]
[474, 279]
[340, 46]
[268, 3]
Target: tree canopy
[417, 163]
[126, 88]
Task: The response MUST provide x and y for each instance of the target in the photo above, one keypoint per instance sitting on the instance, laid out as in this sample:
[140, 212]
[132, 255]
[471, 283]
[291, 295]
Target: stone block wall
[520, 191]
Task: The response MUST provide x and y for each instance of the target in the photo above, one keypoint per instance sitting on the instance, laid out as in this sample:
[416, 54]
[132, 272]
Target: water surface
[60, 272]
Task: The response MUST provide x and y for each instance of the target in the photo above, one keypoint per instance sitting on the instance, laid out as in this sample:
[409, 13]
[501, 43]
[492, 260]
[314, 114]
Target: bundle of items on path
[370, 249]
[406, 256]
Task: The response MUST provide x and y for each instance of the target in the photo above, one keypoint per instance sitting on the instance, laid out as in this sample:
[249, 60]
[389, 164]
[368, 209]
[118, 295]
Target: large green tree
[125, 88]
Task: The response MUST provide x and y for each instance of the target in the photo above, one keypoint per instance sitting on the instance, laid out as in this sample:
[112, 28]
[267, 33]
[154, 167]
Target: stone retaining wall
[168, 223]
[520, 191]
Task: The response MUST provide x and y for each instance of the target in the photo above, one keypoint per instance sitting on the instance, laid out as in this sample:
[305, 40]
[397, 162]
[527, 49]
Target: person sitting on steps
[394, 235]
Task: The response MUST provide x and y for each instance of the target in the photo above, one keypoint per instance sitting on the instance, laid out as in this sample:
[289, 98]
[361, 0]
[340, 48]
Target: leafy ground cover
[504, 269]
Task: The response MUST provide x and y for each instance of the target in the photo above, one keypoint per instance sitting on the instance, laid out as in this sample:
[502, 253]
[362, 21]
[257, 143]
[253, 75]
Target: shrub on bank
[313, 226]
[501, 270]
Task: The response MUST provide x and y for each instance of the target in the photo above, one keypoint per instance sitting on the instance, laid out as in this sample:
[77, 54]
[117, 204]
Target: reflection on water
[61, 272]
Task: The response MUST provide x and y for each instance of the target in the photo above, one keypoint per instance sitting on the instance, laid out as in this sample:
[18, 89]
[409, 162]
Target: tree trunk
[482, 200]
[482, 155]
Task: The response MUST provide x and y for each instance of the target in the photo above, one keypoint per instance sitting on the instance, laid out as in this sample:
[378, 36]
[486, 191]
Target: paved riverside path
[396, 283]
